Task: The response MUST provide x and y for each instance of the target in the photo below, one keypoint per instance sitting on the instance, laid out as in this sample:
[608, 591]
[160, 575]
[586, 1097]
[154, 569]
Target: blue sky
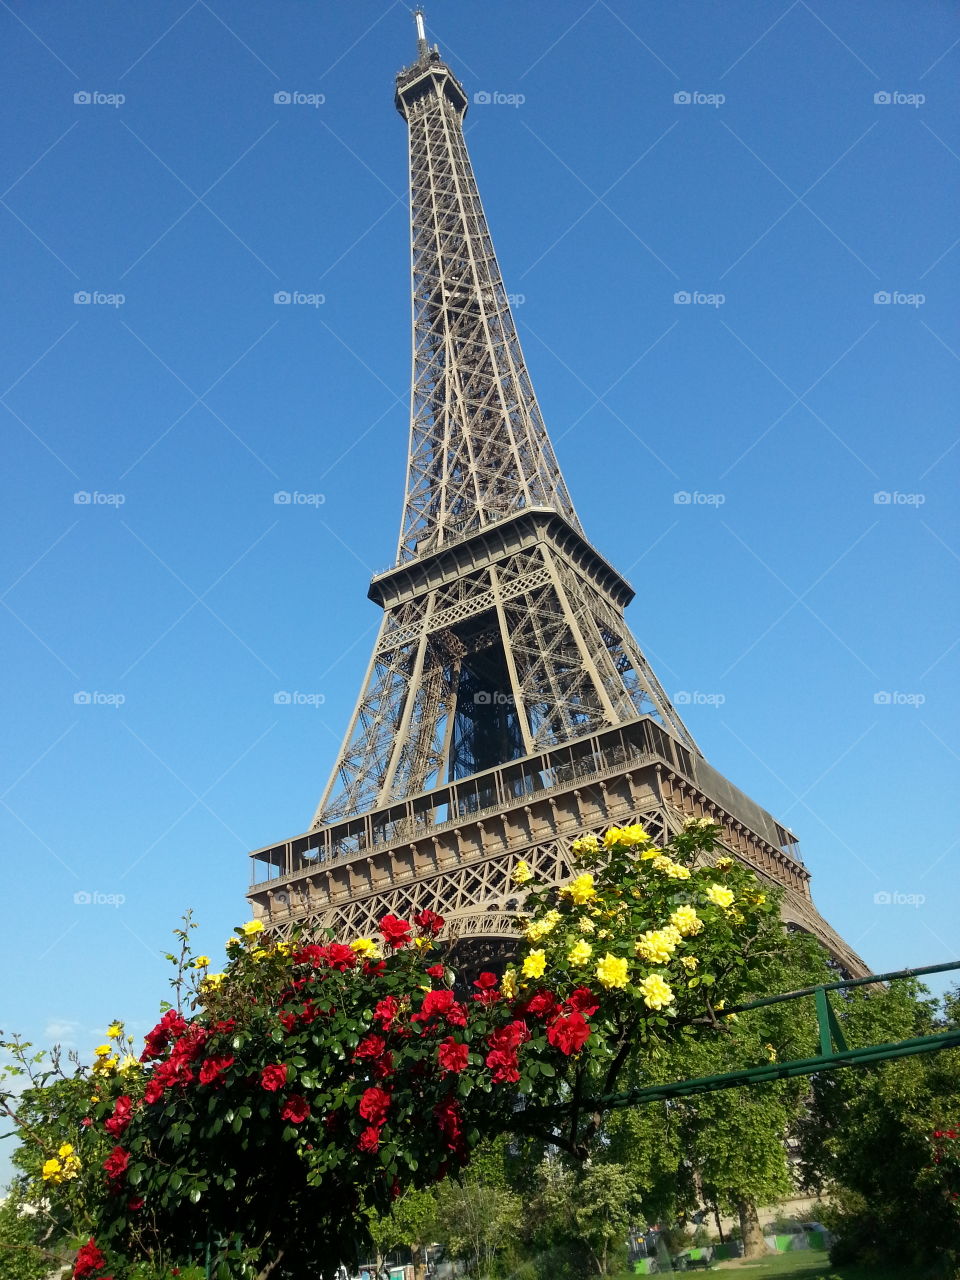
[809, 630]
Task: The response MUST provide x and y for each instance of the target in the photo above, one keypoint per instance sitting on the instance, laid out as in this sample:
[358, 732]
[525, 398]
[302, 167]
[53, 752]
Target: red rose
[288, 1021]
[486, 981]
[372, 1046]
[153, 1091]
[584, 1001]
[226, 1026]
[134, 1205]
[273, 1077]
[89, 1258]
[441, 1004]
[568, 1033]
[429, 922]
[542, 1004]
[385, 1011]
[395, 931]
[211, 1069]
[86, 1122]
[383, 1067]
[449, 1121]
[374, 1105]
[486, 985]
[311, 954]
[155, 1041]
[116, 1163]
[452, 1056]
[509, 1037]
[436, 971]
[503, 1063]
[370, 1139]
[340, 957]
[116, 1123]
[296, 1109]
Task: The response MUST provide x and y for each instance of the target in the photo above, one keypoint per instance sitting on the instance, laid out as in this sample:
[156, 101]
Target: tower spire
[422, 48]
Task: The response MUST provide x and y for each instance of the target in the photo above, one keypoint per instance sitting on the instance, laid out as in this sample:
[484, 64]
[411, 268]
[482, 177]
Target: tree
[885, 1141]
[591, 1207]
[476, 1221]
[279, 1100]
[25, 1251]
[412, 1223]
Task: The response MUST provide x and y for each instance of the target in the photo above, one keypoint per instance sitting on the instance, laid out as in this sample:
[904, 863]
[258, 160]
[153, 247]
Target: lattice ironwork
[504, 671]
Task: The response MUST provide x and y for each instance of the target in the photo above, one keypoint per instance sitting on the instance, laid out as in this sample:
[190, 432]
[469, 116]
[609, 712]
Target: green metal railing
[834, 1051]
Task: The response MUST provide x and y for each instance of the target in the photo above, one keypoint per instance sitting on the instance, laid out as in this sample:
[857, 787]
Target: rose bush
[311, 1079]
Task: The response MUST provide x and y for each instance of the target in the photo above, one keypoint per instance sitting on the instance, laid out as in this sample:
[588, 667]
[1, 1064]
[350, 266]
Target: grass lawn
[806, 1265]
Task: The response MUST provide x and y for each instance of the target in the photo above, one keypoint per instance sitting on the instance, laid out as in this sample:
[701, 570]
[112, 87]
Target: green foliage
[26, 1242]
[278, 1102]
[871, 1139]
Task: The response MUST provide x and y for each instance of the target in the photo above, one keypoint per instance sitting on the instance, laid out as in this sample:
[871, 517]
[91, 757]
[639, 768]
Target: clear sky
[736, 154]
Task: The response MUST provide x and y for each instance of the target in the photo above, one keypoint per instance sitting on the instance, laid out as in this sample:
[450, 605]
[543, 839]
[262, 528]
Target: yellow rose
[65, 1150]
[114, 1030]
[102, 1051]
[212, 981]
[201, 962]
[534, 965]
[522, 873]
[686, 921]
[580, 890]
[579, 953]
[52, 1171]
[258, 953]
[252, 928]
[723, 864]
[647, 855]
[366, 947]
[771, 1053]
[656, 994]
[633, 835]
[720, 895]
[129, 1063]
[284, 948]
[508, 984]
[586, 925]
[612, 971]
[655, 946]
[690, 963]
[586, 844]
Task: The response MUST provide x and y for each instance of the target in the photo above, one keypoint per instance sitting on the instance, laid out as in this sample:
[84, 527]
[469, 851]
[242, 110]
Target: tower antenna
[422, 48]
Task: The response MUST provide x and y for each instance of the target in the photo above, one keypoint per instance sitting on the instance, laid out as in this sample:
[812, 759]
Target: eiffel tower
[506, 708]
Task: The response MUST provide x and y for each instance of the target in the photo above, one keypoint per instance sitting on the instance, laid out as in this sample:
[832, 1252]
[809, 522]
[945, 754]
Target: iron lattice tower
[506, 708]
